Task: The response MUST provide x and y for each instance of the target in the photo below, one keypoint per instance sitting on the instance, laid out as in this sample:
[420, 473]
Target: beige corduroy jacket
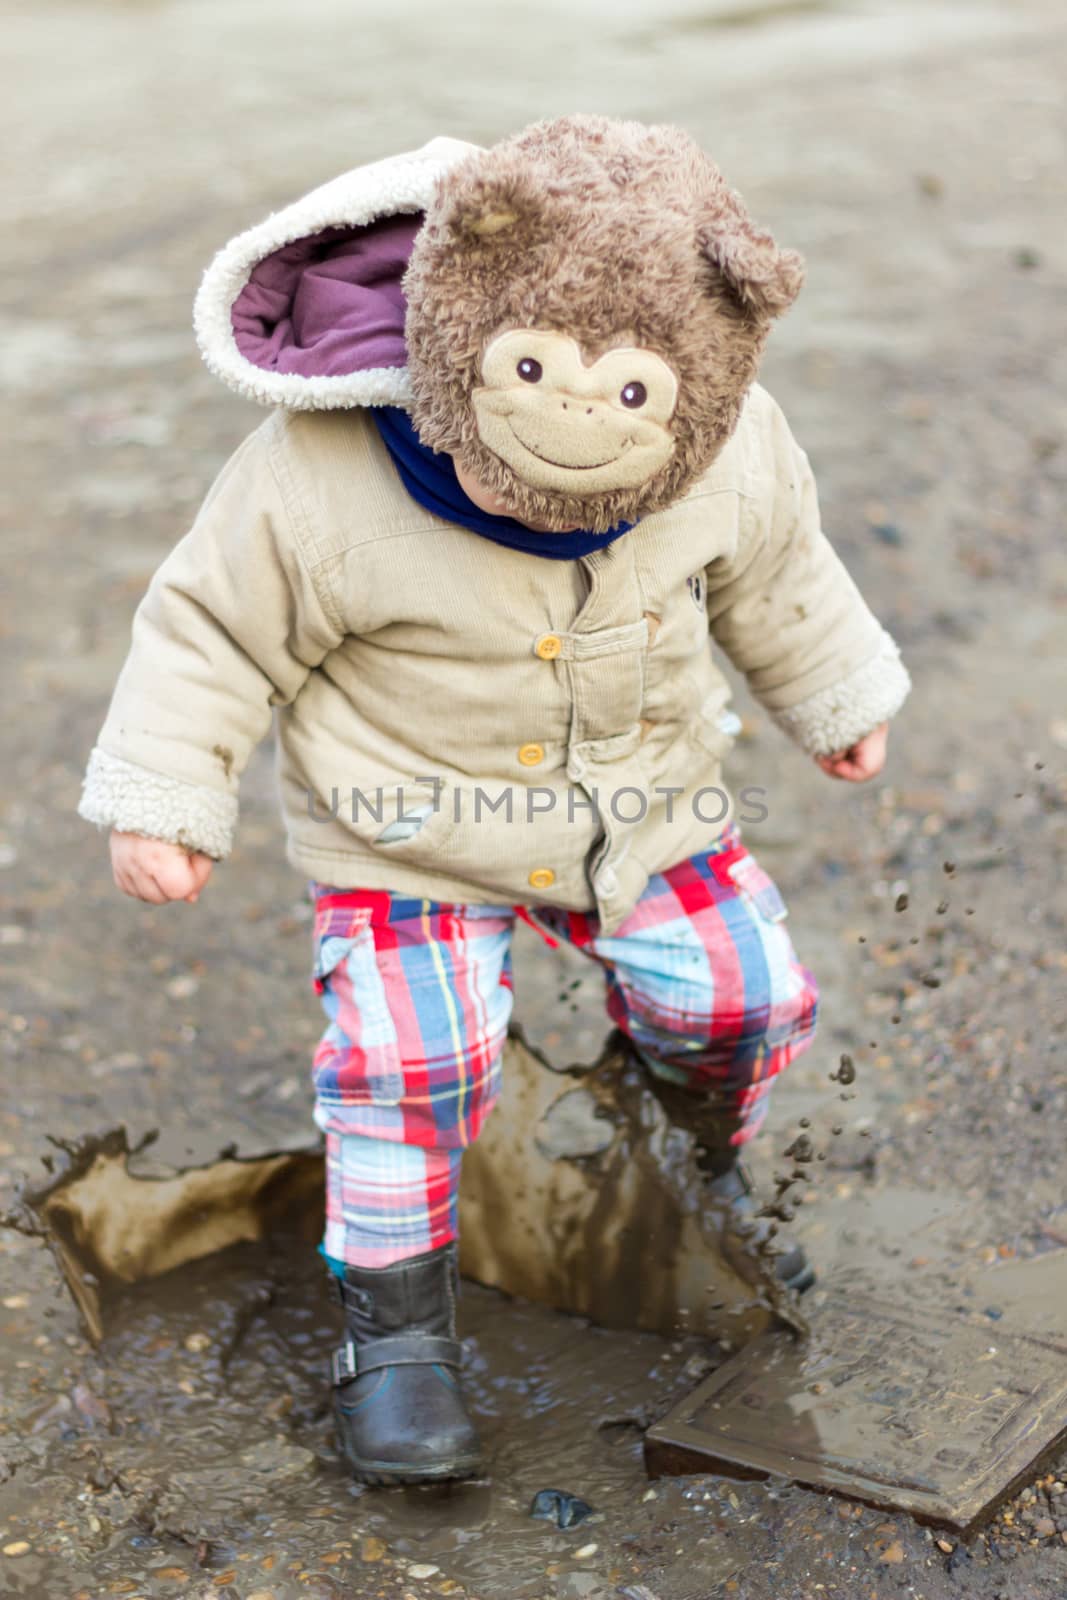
[463, 721]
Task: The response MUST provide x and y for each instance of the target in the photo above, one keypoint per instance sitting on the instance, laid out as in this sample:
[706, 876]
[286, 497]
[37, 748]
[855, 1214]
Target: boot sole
[391, 1474]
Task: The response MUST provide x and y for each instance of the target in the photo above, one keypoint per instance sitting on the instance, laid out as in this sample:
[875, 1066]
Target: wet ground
[915, 154]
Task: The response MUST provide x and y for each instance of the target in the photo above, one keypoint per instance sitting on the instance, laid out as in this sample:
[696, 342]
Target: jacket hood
[574, 315]
[306, 309]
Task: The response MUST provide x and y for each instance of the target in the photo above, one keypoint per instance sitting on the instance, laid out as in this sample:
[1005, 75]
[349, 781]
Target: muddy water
[202, 1445]
[204, 1427]
[193, 1453]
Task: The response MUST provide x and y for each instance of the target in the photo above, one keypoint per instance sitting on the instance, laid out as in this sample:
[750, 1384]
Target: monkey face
[586, 307]
[568, 426]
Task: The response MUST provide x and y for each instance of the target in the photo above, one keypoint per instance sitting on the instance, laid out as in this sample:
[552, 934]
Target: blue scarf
[431, 480]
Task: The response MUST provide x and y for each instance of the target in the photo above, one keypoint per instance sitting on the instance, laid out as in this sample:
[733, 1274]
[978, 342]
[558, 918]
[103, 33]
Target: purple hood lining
[330, 304]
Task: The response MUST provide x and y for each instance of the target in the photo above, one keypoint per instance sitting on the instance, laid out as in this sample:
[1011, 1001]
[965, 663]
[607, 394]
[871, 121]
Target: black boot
[730, 1187]
[400, 1412]
[733, 1207]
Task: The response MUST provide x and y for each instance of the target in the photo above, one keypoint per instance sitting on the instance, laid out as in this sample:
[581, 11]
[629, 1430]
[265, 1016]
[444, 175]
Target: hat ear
[765, 279]
[490, 222]
[470, 204]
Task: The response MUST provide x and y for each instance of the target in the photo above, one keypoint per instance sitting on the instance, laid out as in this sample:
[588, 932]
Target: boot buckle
[344, 1365]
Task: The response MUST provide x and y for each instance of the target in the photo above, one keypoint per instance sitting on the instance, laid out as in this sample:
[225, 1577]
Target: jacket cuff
[118, 794]
[836, 717]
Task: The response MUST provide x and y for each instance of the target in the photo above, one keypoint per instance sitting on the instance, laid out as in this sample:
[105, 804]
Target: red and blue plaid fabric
[701, 976]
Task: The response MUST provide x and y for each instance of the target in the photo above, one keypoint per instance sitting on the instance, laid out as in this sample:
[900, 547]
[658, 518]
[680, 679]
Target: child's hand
[861, 761]
[153, 870]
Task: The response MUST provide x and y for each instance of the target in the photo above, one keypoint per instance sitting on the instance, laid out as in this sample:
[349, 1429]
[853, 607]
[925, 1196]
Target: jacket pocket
[714, 728]
[393, 818]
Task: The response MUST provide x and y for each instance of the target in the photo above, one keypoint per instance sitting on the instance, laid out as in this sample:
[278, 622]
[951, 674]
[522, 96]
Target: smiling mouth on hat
[567, 466]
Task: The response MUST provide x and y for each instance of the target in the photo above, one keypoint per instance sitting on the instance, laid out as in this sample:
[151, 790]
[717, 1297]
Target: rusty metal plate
[937, 1414]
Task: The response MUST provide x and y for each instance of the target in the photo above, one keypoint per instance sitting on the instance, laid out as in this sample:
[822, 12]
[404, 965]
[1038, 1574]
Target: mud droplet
[948, 868]
[931, 981]
[900, 903]
[846, 1070]
[942, 907]
[224, 755]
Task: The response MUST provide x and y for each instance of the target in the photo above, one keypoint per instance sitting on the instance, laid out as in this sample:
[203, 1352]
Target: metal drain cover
[939, 1414]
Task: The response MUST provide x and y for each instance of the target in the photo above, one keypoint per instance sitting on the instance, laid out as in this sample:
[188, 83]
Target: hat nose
[576, 404]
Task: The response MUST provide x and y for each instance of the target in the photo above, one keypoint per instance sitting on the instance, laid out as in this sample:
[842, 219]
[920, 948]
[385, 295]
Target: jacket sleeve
[231, 625]
[788, 615]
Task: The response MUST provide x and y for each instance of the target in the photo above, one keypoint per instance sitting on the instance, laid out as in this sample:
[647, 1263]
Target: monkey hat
[573, 315]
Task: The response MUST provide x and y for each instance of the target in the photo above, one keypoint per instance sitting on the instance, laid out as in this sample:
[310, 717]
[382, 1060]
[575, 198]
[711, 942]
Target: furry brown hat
[587, 303]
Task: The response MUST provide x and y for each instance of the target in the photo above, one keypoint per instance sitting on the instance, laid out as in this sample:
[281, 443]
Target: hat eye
[529, 370]
[634, 395]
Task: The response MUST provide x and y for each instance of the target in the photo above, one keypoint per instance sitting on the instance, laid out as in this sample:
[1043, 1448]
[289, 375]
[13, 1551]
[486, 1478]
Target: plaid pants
[701, 976]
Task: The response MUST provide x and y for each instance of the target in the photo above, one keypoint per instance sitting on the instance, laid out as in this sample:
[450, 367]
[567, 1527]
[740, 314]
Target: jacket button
[531, 755]
[548, 646]
[542, 878]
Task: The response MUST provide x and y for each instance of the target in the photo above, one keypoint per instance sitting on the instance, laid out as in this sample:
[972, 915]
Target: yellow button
[548, 646]
[542, 878]
[531, 754]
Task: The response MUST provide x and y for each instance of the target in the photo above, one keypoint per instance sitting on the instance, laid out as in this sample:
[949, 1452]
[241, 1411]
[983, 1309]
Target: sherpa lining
[398, 186]
[119, 794]
[836, 717]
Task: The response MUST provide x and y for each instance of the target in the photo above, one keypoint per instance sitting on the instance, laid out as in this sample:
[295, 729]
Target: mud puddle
[192, 1452]
[600, 1214]
[198, 1450]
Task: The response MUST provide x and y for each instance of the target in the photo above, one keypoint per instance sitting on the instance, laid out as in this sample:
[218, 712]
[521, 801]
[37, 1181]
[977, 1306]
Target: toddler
[517, 480]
